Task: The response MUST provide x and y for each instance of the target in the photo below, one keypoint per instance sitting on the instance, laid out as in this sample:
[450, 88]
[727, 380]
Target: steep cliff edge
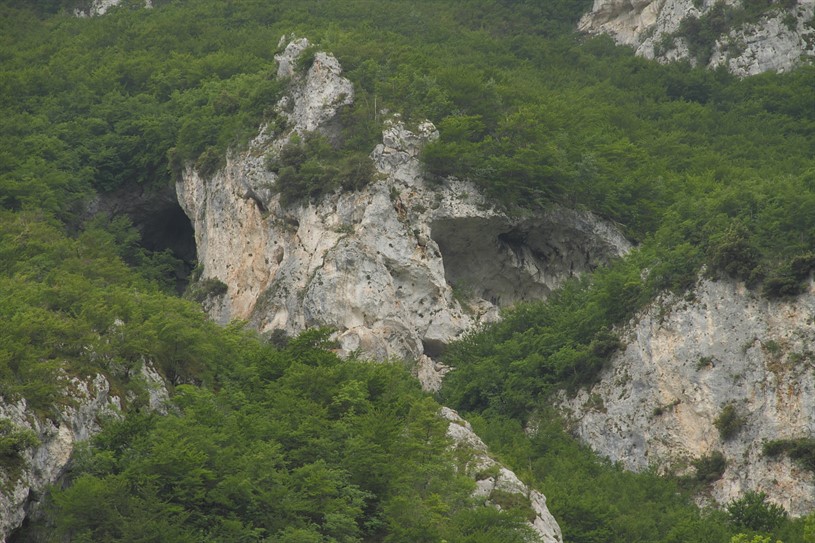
[720, 370]
[740, 36]
[399, 268]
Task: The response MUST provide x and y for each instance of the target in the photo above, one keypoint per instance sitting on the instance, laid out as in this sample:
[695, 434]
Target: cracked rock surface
[685, 361]
[400, 268]
[778, 40]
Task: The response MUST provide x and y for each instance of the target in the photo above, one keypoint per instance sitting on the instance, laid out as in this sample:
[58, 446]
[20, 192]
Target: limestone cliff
[100, 7]
[690, 361]
[399, 268]
[493, 480]
[42, 459]
[776, 39]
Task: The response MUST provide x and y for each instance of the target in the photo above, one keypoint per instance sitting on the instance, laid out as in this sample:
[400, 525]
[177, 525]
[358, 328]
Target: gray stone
[770, 44]
[78, 420]
[686, 359]
[504, 480]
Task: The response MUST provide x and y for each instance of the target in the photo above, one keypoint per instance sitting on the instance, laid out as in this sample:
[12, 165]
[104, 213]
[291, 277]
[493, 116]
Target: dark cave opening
[433, 348]
[489, 258]
[162, 225]
[167, 228]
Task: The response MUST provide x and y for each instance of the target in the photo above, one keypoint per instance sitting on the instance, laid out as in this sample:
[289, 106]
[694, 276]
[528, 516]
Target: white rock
[505, 480]
[688, 359]
[767, 45]
[100, 7]
[316, 96]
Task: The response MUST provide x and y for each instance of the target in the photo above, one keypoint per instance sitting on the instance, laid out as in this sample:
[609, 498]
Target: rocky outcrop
[100, 7]
[494, 480]
[48, 442]
[720, 353]
[313, 101]
[400, 268]
[777, 40]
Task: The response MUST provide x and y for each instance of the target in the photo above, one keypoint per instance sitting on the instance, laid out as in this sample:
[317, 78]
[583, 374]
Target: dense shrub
[802, 450]
[310, 167]
[206, 288]
[710, 467]
[14, 440]
[790, 278]
[752, 511]
[733, 254]
[729, 422]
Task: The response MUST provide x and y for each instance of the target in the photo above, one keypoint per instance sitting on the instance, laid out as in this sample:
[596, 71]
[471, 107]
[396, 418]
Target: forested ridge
[275, 439]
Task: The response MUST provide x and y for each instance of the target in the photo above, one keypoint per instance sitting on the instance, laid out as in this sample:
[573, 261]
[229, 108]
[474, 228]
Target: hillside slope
[453, 163]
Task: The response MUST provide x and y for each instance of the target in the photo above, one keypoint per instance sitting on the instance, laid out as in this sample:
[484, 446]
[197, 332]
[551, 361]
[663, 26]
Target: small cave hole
[433, 348]
[161, 223]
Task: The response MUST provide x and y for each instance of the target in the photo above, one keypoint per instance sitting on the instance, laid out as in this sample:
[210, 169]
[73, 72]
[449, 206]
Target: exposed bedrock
[779, 39]
[400, 268]
[719, 358]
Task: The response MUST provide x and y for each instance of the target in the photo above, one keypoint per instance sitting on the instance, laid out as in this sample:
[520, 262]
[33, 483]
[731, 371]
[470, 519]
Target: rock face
[685, 362]
[26, 477]
[100, 7]
[777, 41]
[399, 268]
[493, 479]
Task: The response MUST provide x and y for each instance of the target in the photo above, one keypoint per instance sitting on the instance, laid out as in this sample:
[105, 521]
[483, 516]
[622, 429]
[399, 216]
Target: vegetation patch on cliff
[801, 449]
[310, 167]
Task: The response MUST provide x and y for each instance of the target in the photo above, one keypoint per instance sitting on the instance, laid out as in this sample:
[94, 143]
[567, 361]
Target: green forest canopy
[698, 167]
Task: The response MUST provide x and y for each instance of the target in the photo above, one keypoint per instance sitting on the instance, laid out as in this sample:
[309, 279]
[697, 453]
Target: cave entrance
[488, 258]
[169, 229]
[506, 260]
[162, 224]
